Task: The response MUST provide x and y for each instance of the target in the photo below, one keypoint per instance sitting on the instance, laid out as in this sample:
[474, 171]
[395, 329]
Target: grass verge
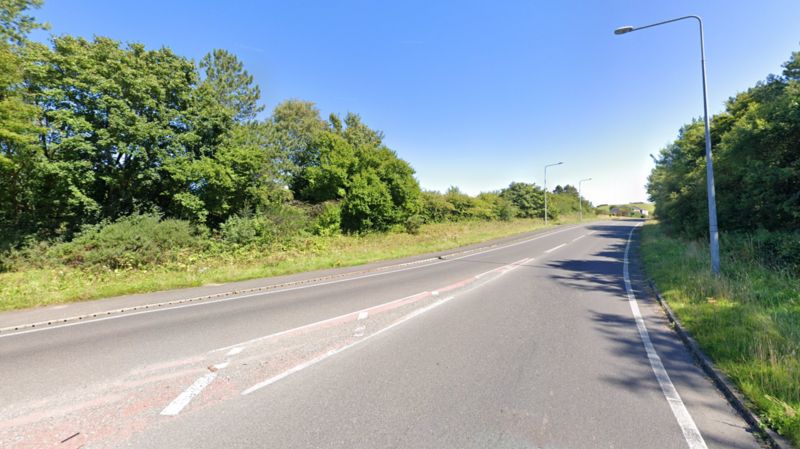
[747, 320]
[33, 287]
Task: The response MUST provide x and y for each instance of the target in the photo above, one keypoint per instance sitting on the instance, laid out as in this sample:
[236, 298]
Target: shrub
[279, 223]
[328, 219]
[413, 224]
[130, 242]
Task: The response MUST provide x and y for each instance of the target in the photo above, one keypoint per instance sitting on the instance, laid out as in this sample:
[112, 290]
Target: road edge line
[691, 434]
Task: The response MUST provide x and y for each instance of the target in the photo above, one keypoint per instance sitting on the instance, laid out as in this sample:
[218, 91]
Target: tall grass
[747, 320]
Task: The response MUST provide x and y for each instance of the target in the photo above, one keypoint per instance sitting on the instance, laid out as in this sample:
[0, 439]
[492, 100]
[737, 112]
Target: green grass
[33, 286]
[747, 320]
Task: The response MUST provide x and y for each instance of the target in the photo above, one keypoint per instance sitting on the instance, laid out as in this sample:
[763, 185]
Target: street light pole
[580, 205]
[545, 189]
[713, 230]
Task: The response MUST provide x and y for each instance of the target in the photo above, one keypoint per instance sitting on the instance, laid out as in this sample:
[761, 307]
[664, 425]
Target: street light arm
[699, 20]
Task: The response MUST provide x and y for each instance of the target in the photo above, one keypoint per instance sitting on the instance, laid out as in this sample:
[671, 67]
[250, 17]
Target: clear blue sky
[479, 94]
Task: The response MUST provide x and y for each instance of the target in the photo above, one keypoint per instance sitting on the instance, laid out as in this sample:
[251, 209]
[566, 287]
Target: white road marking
[235, 351]
[252, 295]
[555, 248]
[190, 393]
[222, 365]
[361, 326]
[435, 293]
[690, 431]
[578, 237]
[332, 352]
[335, 351]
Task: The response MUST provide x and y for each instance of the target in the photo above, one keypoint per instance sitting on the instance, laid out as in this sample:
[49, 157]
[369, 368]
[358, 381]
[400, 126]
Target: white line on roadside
[190, 393]
[555, 248]
[690, 431]
[302, 287]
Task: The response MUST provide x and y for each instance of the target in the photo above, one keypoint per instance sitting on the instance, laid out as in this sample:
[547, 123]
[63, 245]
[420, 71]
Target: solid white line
[690, 431]
[203, 303]
[235, 351]
[190, 393]
[555, 248]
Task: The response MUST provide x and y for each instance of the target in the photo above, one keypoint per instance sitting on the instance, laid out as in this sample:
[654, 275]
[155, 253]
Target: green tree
[15, 24]
[231, 85]
[528, 199]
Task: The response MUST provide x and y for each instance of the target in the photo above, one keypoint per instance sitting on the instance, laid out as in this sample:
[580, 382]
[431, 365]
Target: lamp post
[580, 205]
[713, 231]
[545, 189]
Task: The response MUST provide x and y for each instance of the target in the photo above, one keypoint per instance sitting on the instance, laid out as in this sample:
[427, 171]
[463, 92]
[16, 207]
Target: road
[531, 343]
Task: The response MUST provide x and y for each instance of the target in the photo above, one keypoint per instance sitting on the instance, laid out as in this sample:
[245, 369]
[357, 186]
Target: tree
[528, 199]
[231, 85]
[14, 23]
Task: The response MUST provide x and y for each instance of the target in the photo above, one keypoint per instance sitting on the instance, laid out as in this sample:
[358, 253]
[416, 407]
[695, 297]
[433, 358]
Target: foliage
[134, 241]
[756, 163]
[528, 199]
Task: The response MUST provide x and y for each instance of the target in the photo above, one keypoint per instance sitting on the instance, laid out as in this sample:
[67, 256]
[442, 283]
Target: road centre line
[400, 321]
[187, 395]
[579, 237]
[688, 427]
[157, 308]
[373, 309]
[555, 248]
[235, 351]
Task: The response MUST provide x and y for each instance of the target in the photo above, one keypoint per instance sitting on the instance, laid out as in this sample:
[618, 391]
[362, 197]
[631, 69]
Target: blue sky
[479, 94]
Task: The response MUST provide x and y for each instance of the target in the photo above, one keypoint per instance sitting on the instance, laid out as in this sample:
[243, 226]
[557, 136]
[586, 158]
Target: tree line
[756, 144]
[92, 131]
[756, 151]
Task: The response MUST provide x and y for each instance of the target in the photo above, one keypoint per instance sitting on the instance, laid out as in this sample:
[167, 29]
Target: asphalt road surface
[536, 342]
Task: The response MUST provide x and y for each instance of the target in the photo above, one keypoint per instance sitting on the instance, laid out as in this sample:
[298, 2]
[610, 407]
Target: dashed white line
[555, 248]
[235, 351]
[335, 351]
[190, 393]
[578, 237]
[688, 427]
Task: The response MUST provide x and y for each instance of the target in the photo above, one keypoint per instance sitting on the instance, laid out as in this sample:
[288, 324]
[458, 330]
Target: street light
[580, 206]
[545, 189]
[713, 231]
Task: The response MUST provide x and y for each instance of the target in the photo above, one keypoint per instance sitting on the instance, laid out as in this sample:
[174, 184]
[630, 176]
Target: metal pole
[580, 200]
[545, 189]
[545, 194]
[713, 230]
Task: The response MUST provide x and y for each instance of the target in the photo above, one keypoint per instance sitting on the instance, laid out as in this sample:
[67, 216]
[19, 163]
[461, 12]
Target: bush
[280, 223]
[413, 224]
[777, 250]
[328, 220]
[131, 242]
